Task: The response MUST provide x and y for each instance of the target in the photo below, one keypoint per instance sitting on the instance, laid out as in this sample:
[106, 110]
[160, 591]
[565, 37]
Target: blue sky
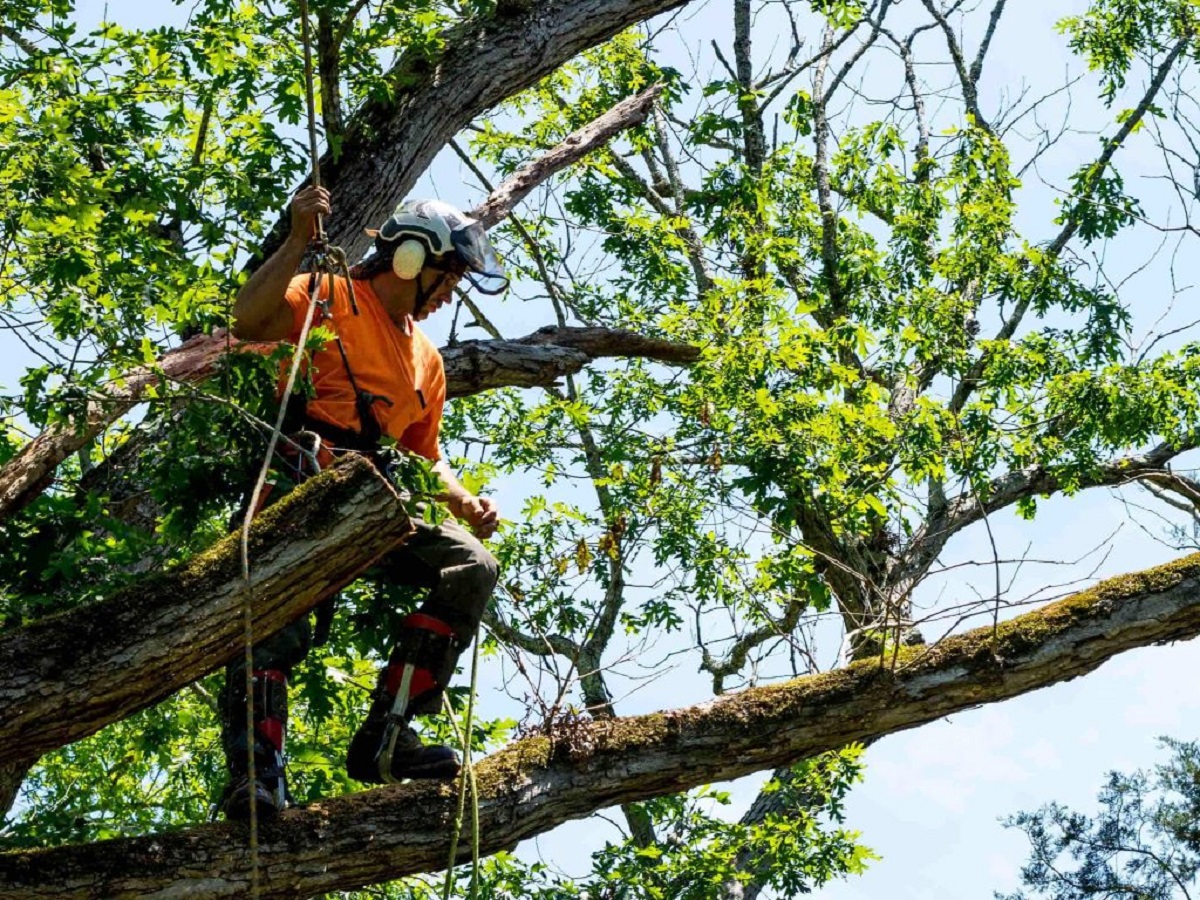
[933, 796]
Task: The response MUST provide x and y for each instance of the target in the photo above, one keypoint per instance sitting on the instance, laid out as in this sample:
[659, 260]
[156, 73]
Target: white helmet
[430, 232]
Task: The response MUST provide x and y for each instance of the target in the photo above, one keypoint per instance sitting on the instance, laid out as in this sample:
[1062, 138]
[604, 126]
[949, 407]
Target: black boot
[427, 650]
[269, 787]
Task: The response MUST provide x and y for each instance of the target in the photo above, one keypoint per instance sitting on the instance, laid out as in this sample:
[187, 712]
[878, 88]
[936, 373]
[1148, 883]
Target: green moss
[511, 766]
[870, 680]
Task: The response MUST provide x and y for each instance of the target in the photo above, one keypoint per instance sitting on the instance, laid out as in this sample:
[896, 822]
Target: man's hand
[306, 206]
[481, 513]
[261, 313]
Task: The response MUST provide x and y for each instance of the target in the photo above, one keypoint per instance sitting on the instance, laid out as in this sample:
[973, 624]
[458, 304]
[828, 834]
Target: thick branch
[548, 354]
[534, 785]
[598, 343]
[107, 660]
[753, 138]
[486, 60]
[12, 776]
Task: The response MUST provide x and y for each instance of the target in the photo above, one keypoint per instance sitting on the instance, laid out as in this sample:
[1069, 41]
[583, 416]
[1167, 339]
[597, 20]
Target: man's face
[442, 284]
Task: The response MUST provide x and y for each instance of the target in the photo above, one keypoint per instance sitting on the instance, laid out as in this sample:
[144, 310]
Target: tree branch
[952, 516]
[968, 79]
[736, 657]
[31, 49]
[329, 70]
[530, 787]
[578, 144]
[993, 21]
[388, 144]
[754, 142]
[967, 386]
[28, 473]
[163, 632]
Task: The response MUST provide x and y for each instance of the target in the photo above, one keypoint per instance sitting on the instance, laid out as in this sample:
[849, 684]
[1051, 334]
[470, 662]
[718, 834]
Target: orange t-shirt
[400, 364]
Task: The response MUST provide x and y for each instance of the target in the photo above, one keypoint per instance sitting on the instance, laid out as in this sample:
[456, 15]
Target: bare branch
[970, 507]
[736, 657]
[626, 114]
[993, 21]
[969, 84]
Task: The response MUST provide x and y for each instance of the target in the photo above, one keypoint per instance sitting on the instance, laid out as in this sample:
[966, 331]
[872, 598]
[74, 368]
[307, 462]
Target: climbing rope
[325, 260]
[467, 776]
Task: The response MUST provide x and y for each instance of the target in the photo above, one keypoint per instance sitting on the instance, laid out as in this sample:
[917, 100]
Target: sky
[933, 797]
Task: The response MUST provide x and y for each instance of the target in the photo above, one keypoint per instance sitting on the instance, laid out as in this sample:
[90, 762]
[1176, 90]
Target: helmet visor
[484, 269]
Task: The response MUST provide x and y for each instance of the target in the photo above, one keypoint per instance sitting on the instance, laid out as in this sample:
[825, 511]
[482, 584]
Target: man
[381, 377]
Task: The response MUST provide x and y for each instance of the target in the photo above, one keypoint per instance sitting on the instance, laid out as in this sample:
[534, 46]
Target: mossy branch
[535, 784]
[68, 676]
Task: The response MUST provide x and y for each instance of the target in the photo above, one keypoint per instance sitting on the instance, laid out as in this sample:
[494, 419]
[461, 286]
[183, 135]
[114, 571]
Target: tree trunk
[11, 777]
[538, 783]
[68, 676]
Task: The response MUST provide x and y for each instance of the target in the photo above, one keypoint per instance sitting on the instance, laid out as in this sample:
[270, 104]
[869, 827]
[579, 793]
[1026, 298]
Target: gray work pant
[458, 571]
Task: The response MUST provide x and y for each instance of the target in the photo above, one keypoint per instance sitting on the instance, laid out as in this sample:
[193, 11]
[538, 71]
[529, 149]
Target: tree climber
[380, 377]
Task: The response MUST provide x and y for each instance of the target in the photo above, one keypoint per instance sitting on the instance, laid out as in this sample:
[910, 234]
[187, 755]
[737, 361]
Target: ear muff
[408, 259]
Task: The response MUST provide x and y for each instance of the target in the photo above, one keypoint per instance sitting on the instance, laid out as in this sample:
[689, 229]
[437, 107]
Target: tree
[1142, 843]
[889, 349]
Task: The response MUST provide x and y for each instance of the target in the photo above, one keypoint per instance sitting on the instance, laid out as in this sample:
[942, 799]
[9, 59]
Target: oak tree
[840, 325]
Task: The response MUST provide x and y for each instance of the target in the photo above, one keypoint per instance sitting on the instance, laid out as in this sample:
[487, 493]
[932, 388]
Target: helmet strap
[423, 293]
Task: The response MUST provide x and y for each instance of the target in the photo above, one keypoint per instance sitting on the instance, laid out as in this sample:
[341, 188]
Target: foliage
[896, 332]
[1142, 842]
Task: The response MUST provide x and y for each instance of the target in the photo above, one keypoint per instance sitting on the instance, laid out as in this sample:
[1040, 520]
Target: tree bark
[30, 471]
[66, 677]
[629, 112]
[540, 782]
[11, 777]
[548, 354]
[471, 367]
[486, 60]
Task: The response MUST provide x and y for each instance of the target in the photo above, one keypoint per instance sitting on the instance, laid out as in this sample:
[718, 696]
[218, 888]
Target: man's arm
[260, 313]
[481, 513]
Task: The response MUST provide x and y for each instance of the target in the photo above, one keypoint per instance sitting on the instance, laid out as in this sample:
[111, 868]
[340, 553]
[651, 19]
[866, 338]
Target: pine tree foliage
[1142, 842]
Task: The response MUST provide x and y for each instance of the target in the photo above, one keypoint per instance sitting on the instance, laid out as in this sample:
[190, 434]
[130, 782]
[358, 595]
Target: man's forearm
[260, 298]
[455, 493]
